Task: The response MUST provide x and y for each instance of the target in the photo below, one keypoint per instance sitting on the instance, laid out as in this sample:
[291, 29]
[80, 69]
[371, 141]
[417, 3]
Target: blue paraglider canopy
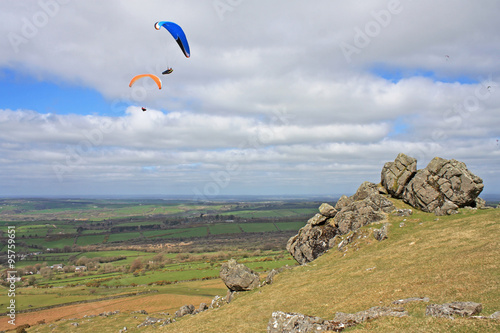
[178, 34]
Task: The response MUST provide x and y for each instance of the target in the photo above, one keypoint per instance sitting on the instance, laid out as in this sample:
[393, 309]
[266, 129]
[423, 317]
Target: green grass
[115, 253]
[88, 240]
[177, 233]
[125, 236]
[271, 213]
[59, 243]
[224, 228]
[257, 227]
[130, 256]
[285, 226]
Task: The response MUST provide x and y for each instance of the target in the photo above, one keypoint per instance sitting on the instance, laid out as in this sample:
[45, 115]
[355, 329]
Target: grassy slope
[456, 258]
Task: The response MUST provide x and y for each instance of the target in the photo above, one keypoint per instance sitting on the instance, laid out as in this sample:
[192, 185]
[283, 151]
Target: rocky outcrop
[381, 234]
[312, 240]
[395, 175]
[184, 310]
[152, 321]
[351, 319]
[448, 310]
[281, 322]
[402, 212]
[327, 210]
[442, 187]
[295, 322]
[366, 206]
[238, 277]
[217, 302]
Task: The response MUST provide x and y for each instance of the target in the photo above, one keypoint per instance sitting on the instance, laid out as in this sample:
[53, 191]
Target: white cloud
[267, 90]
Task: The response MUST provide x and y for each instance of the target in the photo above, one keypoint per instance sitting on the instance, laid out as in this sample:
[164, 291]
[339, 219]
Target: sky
[281, 97]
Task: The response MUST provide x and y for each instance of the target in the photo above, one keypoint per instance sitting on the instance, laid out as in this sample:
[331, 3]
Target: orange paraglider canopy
[140, 76]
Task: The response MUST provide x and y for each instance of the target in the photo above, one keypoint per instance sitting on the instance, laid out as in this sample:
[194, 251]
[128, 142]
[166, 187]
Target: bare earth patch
[150, 303]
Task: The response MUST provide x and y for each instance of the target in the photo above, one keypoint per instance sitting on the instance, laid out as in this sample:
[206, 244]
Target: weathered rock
[270, 276]
[202, 307]
[403, 212]
[230, 295]
[184, 310]
[315, 238]
[351, 319]
[311, 242]
[327, 210]
[238, 277]
[151, 321]
[343, 202]
[273, 273]
[395, 175]
[358, 214]
[480, 203]
[217, 302]
[282, 322]
[380, 202]
[448, 310]
[448, 208]
[441, 182]
[317, 219]
[381, 234]
[365, 190]
[495, 315]
[382, 189]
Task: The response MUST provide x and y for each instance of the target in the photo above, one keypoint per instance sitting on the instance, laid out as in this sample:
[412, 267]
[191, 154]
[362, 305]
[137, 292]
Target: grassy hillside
[450, 258]
[454, 258]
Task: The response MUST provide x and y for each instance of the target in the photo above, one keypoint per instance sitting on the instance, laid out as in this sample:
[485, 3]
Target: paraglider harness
[167, 71]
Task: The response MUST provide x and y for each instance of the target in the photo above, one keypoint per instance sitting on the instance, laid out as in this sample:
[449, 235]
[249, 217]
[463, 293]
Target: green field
[286, 226]
[127, 246]
[89, 237]
[89, 240]
[276, 213]
[44, 243]
[123, 237]
[257, 227]
[224, 228]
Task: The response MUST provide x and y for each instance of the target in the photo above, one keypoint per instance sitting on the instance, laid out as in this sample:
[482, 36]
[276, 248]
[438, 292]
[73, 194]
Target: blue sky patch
[24, 92]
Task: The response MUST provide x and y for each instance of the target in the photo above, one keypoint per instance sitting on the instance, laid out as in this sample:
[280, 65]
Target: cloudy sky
[278, 97]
